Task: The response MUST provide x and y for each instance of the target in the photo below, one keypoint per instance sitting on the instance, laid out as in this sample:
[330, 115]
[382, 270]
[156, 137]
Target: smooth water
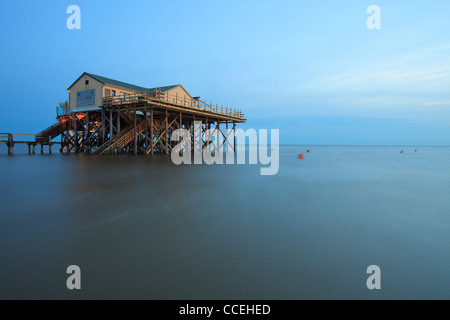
[141, 227]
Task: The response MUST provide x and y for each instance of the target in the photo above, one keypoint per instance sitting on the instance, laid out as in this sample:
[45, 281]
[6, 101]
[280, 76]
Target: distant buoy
[401, 151]
[301, 156]
[307, 150]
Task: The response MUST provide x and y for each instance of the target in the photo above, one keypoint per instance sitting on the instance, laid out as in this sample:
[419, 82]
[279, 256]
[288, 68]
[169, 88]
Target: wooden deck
[11, 139]
[176, 104]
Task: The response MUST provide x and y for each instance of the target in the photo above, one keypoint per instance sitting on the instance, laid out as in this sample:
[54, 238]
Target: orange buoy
[301, 156]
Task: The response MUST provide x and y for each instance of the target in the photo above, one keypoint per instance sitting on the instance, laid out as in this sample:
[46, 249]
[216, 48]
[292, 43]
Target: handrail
[185, 102]
[18, 134]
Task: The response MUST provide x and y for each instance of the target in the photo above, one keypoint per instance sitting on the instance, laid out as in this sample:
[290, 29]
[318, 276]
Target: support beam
[118, 121]
[226, 136]
[75, 134]
[167, 133]
[135, 132]
[110, 125]
[103, 126]
[10, 144]
[151, 129]
[86, 143]
[146, 129]
[234, 136]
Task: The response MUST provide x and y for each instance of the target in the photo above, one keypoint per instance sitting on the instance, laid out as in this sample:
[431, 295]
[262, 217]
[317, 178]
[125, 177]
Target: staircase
[52, 131]
[120, 141]
[128, 117]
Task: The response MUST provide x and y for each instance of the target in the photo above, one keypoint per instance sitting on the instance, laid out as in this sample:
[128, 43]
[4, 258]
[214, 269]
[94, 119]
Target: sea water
[142, 227]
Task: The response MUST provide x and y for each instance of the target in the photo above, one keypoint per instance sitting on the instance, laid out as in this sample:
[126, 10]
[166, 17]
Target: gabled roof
[124, 85]
[116, 83]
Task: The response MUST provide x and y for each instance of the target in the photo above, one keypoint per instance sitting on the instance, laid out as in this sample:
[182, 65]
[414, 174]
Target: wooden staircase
[120, 141]
[53, 131]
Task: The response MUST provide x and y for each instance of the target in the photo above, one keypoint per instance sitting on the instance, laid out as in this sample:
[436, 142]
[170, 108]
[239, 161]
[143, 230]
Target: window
[113, 92]
[87, 82]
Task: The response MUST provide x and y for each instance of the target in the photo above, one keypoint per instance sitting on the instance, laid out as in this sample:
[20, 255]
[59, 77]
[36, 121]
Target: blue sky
[309, 68]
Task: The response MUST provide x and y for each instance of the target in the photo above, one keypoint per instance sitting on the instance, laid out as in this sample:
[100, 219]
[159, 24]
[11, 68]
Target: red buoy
[307, 150]
[301, 156]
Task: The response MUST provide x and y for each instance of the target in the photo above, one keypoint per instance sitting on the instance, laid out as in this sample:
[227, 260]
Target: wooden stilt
[10, 144]
[86, 134]
[75, 134]
[135, 132]
[118, 121]
[151, 130]
[110, 126]
[146, 130]
[234, 136]
[167, 133]
[103, 126]
[226, 139]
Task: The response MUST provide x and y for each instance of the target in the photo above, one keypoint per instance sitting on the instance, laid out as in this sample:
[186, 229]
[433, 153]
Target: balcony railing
[189, 103]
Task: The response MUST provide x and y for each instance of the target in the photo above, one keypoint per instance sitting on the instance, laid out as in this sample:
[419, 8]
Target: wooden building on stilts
[107, 116]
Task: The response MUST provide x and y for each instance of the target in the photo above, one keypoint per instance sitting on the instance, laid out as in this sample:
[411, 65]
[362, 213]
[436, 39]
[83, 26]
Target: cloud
[437, 103]
[408, 73]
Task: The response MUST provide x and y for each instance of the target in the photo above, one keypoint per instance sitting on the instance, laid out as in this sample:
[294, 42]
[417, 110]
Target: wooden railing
[184, 101]
[17, 137]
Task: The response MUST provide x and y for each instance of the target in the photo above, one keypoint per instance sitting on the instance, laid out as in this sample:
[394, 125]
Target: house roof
[125, 85]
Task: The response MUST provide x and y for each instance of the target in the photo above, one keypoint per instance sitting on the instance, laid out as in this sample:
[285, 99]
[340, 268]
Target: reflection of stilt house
[108, 116]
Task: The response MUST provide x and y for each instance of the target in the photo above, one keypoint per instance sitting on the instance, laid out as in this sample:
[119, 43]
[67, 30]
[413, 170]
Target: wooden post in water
[234, 136]
[110, 125]
[226, 134]
[118, 121]
[180, 127]
[10, 144]
[146, 129]
[151, 129]
[135, 132]
[86, 134]
[75, 134]
[103, 126]
[167, 133]
[218, 144]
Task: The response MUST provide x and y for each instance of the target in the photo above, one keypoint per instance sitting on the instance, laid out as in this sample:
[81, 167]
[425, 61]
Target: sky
[311, 69]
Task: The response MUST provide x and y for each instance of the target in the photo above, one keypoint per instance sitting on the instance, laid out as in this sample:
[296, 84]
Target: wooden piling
[10, 144]
[86, 133]
[151, 129]
[135, 132]
[167, 133]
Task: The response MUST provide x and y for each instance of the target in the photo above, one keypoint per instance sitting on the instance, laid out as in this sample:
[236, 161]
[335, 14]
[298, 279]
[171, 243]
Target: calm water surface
[141, 227]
